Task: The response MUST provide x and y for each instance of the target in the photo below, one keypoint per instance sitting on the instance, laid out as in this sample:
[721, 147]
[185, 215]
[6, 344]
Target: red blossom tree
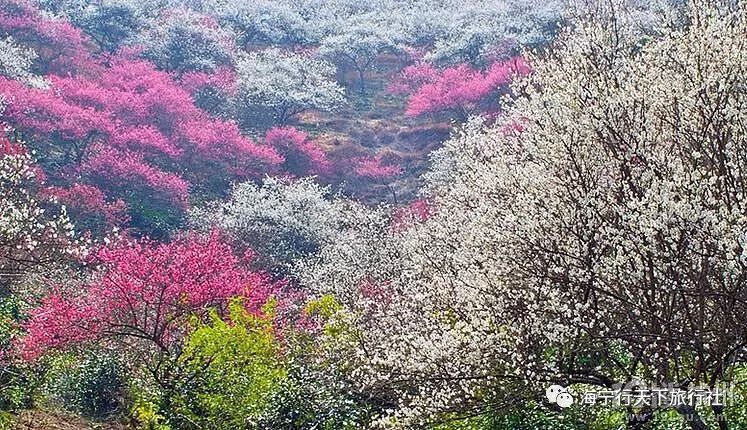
[460, 90]
[61, 47]
[375, 170]
[143, 295]
[302, 156]
[131, 131]
[89, 206]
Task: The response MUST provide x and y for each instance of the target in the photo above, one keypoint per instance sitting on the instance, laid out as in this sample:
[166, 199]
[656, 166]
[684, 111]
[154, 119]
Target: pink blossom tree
[461, 90]
[302, 156]
[142, 297]
[61, 48]
[90, 207]
[376, 170]
[131, 131]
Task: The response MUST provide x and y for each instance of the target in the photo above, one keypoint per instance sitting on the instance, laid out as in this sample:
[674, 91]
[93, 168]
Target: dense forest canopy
[334, 214]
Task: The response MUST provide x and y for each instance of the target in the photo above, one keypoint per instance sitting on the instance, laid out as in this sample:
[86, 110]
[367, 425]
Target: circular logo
[559, 395]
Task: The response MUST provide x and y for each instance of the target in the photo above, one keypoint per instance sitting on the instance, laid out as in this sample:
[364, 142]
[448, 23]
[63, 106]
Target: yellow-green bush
[231, 370]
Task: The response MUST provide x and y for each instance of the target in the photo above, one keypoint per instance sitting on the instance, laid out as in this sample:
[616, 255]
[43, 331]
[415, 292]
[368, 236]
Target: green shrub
[229, 371]
[92, 384]
[17, 381]
[317, 395]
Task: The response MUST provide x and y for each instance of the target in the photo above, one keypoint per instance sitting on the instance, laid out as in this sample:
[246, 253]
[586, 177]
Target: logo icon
[560, 395]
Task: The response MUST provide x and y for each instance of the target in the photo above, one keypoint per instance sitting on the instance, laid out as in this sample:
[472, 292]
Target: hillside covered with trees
[335, 214]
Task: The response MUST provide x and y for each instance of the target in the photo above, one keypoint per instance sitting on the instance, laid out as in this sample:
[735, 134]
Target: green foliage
[154, 216]
[736, 410]
[92, 384]
[17, 382]
[527, 415]
[17, 385]
[145, 416]
[326, 307]
[10, 313]
[316, 394]
[7, 421]
[337, 327]
[232, 368]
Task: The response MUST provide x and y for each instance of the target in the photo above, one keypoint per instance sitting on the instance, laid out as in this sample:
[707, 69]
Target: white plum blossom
[285, 222]
[16, 62]
[286, 83]
[110, 23]
[268, 22]
[358, 42]
[592, 235]
[32, 233]
[479, 31]
[182, 40]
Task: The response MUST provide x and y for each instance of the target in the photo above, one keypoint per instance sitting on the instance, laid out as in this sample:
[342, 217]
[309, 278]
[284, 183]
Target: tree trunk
[718, 412]
[362, 80]
[394, 193]
[691, 416]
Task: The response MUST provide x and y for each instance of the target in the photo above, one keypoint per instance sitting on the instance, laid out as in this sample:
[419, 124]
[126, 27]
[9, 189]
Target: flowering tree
[415, 212]
[483, 31]
[181, 40]
[284, 223]
[88, 205]
[60, 47]
[142, 297]
[213, 92]
[110, 23]
[133, 133]
[35, 235]
[32, 231]
[421, 23]
[460, 90]
[302, 156]
[266, 22]
[358, 42]
[601, 243]
[285, 83]
[374, 168]
[16, 63]
[377, 171]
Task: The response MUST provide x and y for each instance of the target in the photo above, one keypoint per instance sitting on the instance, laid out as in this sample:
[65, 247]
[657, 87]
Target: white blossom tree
[16, 62]
[482, 30]
[358, 42]
[284, 222]
[33, 233]
[111, 23]
[182, 40]
[266, 22]
[286, 83]
[594, 235]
